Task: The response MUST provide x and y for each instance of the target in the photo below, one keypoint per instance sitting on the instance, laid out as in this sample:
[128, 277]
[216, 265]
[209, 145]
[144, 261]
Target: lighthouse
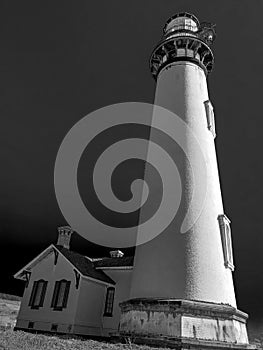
[182, 292]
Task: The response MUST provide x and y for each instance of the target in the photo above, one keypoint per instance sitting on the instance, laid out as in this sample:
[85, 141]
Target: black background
[60, 60]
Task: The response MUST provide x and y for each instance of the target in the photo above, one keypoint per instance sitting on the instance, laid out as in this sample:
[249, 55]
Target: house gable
[82, 265]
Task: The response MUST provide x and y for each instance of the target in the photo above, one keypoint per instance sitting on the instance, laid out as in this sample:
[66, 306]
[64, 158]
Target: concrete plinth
[184, 324]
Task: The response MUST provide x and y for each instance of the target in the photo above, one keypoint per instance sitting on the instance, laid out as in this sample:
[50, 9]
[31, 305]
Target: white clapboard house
[66, 292]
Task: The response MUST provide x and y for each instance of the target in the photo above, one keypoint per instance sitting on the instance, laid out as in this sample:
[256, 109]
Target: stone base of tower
[184, 324]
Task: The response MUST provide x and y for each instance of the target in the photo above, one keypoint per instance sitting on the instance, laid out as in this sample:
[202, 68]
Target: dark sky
[60, 60]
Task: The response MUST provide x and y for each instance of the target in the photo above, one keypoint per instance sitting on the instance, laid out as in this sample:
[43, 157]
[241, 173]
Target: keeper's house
[66, 292]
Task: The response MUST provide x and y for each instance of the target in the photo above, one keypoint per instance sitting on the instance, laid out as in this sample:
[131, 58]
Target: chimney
[116, 254]
[64, 236]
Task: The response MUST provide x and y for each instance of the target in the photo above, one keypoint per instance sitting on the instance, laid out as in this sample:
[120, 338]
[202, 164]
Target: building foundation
[184, 324]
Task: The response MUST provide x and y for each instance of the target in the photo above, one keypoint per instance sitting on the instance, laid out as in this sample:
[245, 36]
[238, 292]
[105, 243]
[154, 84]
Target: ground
[18, 340]
[10, 340]
[8, 310]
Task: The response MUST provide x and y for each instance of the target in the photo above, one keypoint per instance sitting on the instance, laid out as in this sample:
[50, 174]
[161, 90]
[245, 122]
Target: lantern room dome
[182, 21]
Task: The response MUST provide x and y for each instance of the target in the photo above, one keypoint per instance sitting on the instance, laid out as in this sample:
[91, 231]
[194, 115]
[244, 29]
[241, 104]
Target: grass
[10, 297]
[8, 312]
[256, 336]
[18, 340]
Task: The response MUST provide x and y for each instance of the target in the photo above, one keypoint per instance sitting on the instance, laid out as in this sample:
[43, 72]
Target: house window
[38, 294]
[54, 327]
[60, 295]
[224, 225]
[109, 301]
[30, 325]
[210, 117]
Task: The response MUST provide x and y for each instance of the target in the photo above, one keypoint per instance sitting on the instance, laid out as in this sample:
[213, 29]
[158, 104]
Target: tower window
[38, 294]
[109, 301]
[210, 117]
[224, 225]
[60, 295]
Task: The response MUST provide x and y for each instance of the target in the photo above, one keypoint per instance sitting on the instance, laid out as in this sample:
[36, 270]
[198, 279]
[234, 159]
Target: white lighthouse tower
[182, 291]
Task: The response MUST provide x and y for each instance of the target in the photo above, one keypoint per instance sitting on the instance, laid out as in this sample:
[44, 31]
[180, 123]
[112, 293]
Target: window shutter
[43, 293]
[55, 294]
[33, 293]
[66, 294]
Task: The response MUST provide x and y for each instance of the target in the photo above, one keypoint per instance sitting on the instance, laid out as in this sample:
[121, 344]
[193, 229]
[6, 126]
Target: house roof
[126, 261]
[91, 268]
[84, 265]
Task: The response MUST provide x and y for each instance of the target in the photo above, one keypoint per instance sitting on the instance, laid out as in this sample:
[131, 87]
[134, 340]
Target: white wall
[189, 265]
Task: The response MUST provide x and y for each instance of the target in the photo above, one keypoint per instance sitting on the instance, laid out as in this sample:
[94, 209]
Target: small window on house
[54, 327]
[224, 225]
[109, 302]
[30, 325]
[210, 117]
[60, 295]
[38, 294]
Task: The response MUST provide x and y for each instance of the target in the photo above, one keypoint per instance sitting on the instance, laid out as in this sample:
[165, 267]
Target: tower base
[184, 324]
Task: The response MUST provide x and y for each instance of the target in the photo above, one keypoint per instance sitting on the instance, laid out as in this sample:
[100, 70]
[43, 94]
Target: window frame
[54, 327]
[56, 295]
[109, 302]
[36, 285]
[30, 325]
[225, 230]
[210, 117]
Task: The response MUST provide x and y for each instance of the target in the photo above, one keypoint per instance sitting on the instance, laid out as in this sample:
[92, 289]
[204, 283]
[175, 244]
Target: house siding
[122, 292]
[88, 319]
[45, 316]
[84, 313]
